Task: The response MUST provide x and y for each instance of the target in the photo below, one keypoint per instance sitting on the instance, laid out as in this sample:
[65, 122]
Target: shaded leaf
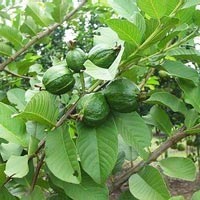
[191, 93]
[5, 49]
[178, 69]
[127, 196]
[4, 194]
[119, 162]
[185, 54]
[36, 194]
[169, 100]
[2, 174]
[130, 153]
[191, 118]
[161, 119]
[98, 148]
[134, 131]
[87, 189]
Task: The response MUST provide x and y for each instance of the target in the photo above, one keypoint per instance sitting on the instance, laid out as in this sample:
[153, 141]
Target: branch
[153, 157]
[39, 36]
[37, 171]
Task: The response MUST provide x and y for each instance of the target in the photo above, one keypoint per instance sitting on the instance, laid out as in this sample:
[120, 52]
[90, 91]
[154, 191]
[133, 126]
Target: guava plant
[84, 127]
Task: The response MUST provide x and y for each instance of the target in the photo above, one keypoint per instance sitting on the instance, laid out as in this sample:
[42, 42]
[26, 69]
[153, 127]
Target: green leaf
[5, 49]
[87, 189]
[38, 13]
[196, 195]
[126, 31]
[191, 93]
[161, 119]
[190, 3]
[60, 9]
[29, 26]
[191, 118]
[185, 54]
[178, 69]
[119, 163]
[196, 17]
[4, 194]
[61, 156]
[101, 73]
[177, 198]
[33, 145]
[171, 6]
[42, 108]
[2, 174]
[12, 35]
[127, 196]
[186, 15]
[130, 153]
[107, 36]
[125, 8]
[154, 8]
[169, 100]
[148, 184]
[139, 21]
[178, 167]
[9, 149]
[134, 131]
[11, 129]
[98, 148]
[36, 194]
[152, 24]
[17, 166]
[16, 96]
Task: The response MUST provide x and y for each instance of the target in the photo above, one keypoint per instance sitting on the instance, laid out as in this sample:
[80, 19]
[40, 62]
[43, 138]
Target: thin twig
[40, 147]
[152, 158]
[39, 36]
[37, 171]
[17, 75]
[146, 78]
[66, 115]
[6, 181]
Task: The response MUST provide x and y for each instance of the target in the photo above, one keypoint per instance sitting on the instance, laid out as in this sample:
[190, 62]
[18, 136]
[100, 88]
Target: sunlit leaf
[148, 184]
[63, 162]
[182, 168]
[11, 129]
[17, 166]
[41, 108]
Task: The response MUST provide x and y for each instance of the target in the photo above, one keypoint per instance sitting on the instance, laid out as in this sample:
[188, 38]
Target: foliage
[47, 151]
